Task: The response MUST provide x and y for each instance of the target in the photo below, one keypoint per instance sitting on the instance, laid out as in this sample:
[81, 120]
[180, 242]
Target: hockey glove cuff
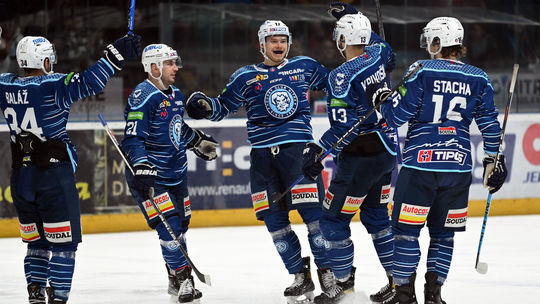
[203, 145]
[198, 106]
[125, 48]
[144, 179]
[311, 165]
[340, 9]
[378, 92]
[494, 176]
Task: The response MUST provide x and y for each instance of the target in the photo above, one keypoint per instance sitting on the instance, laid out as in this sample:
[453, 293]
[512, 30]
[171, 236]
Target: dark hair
[459, 51]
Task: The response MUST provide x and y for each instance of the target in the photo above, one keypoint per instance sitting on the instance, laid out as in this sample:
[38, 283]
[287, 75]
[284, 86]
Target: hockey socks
[36, 263]
[406, 258]
[61, 269]
[316, 242]
[384, 245]
[288, 247]
[439, 255]
[341, 255]
[170, 248]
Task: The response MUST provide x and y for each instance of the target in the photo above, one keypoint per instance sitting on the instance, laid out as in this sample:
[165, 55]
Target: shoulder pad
[241, 71]
[140, 95]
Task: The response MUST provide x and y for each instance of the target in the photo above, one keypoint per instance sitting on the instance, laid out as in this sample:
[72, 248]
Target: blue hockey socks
[36, 263]
[61, 268]
[406, 258]
[316, 242]
[384, 245]
[439, 256]
[170, 248]
[288, 247]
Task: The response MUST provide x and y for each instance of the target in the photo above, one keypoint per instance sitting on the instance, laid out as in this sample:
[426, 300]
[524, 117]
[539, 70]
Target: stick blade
[481, 268]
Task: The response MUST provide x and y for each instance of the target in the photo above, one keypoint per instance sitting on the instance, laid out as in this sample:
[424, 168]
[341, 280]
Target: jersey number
[29, 121]
[459, 101]
[131, 128]
[342, 115]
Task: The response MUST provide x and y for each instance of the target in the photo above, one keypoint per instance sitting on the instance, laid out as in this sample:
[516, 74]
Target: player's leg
[415, 191]
[38, 254]
[448, 214]
[58, 203]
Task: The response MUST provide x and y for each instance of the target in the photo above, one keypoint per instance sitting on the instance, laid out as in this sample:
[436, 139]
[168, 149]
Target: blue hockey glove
[340, 9]
[203, 145]
[377, 92]
[125, 48]
[198, 106]
[494, 176]
[391, 65]
[311, 166]
[145, 176]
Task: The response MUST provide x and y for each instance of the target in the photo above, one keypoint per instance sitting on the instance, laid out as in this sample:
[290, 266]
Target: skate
[301, 290]
[385, 293]
[326, 278]
[432, 289]
[405, 294]
[174, 286]
[36, 294]
[50, 296]
[337, 291]
[187, 293]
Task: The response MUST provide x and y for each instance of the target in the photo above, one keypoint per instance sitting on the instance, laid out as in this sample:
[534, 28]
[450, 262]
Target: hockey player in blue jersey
[36, 108]
[365, 160]
[155, 141]
[439, 104]
[274, 94]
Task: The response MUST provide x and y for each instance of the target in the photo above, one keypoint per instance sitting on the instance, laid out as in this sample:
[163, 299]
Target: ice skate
[405, 294]
[337, 291]
[187, 293]
[384, 294]
[326, 278]
[432, 289]
[174, 286]
[51, 298]
[301, 290]
[35, 294]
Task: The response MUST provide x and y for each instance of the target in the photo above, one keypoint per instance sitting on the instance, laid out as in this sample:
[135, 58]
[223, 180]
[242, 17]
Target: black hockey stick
[202, 277]
[379, 18]
[277, 196]
[482, 267]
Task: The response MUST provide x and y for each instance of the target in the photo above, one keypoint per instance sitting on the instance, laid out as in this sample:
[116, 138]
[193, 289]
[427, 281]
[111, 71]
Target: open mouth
[278, 52]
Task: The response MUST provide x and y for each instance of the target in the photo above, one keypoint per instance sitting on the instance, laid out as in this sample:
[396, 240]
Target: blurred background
[214, 38]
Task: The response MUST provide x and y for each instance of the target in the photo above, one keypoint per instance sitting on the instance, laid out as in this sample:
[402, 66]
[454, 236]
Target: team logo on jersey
[447, 131]
[137, 93]
[413, 214]
[340, 78]
[175, 130]
[441, 156]
[281, 101]
[456, 218]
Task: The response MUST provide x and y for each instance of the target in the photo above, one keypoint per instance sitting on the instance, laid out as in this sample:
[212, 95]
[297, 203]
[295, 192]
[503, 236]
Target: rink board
[219, 190]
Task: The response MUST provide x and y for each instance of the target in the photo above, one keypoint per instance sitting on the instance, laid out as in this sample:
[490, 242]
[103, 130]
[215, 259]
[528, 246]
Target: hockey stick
[131, 19]
[277, 196]
[379, 18]
[202, 277]
[482, 267]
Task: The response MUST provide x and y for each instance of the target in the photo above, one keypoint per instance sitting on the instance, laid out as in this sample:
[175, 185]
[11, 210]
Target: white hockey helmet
[273, 28]
[157, 54]
[32, 51]
[441, 32]
[352, 29]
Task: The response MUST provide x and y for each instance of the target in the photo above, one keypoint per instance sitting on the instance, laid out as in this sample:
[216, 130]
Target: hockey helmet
[32, 51]
[273, 28]
[441, 32]
[157, 54]
[352, 29]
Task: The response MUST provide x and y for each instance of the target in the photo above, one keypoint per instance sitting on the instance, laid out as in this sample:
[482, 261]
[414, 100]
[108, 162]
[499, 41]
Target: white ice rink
[245, 267]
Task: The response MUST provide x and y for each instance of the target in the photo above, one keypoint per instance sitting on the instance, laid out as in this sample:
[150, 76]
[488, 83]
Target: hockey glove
[125, 48]
[203, 145]
[391, 65]
[311, 165]
[377, 92]
[494, 176]
[198, 106]
[145, 176]
[340, 9]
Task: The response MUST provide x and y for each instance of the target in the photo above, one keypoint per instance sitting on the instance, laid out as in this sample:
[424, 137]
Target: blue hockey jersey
[41, 104]
[440, 102]
[156, 133]
[275, 98]
[347, 101]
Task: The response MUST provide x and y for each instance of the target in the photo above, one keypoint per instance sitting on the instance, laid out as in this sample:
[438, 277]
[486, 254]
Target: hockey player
[36, 108]
[439, 104]
[274, 94]
[365, 159]
[155, 141]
